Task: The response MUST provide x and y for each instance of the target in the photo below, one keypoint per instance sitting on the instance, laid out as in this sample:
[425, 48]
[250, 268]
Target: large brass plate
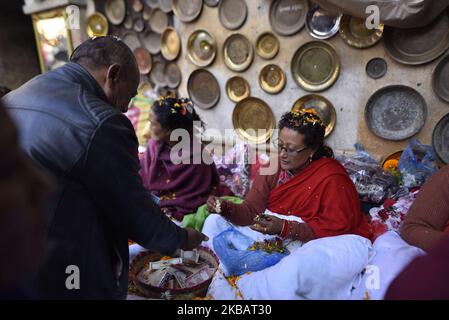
[251, 115]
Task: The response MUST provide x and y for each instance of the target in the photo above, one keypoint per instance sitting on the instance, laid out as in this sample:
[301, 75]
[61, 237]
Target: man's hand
[268, 225]
[193, 240]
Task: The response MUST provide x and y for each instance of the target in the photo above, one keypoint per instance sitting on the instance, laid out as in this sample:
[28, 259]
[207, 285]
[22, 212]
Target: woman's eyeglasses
[290, 152]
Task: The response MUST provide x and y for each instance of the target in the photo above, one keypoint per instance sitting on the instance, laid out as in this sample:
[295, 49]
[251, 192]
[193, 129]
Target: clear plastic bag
[417, 164]
[232, 247]
[372, 182]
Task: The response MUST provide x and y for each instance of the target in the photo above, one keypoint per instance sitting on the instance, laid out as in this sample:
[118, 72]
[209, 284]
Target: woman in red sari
[309, 184]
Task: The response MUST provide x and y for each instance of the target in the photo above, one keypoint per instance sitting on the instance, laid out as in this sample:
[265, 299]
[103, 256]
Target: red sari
[324, 197]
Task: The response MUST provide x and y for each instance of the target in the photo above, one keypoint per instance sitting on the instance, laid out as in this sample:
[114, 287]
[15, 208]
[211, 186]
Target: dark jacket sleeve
[111, 176]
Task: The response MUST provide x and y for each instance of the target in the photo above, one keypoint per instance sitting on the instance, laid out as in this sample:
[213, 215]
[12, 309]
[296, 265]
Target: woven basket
[200, 290]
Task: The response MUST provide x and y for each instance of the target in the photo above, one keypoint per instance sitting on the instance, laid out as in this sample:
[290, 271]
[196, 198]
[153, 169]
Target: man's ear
[114, 73]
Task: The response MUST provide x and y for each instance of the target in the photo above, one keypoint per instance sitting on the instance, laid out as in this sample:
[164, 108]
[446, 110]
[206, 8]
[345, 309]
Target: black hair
[311, 127]
[174, 113]
[103, 52]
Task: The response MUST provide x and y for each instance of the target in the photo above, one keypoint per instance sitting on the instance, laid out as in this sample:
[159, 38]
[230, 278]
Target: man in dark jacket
[71, 124]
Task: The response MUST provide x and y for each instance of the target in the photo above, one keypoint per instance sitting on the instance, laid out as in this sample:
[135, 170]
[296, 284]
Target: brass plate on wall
[322, 106]
[238, 52]
[170, 44]
[315, 66]
[97, 25]
[396, 112]
[267, 45]
[201, 48]
[272, 79]
[203, 89]
[354, 32]
[187, 10]
[249, 116]
[237, 89]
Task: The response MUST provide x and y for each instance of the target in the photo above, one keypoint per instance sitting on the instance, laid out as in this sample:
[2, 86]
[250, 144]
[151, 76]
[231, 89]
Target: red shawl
[324, 197]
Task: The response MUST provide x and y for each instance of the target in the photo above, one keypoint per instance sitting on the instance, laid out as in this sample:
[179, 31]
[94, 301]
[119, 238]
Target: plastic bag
[372, 182]
[417, 164]
[232, 247]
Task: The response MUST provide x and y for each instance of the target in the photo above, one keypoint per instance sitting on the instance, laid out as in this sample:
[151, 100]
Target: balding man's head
[111, 62]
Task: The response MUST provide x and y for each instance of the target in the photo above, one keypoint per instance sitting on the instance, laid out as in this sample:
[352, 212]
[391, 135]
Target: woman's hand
[268, 225]
[214, 204]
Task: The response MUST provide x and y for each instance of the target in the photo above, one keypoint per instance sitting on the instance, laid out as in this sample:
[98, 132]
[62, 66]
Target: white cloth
[321, 269]
[395, 13]
[392, 255]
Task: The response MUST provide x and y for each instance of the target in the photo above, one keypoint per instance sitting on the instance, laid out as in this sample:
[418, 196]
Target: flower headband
[305, 117]
[183, 106]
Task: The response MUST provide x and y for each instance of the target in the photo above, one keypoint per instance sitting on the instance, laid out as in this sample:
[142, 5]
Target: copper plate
[237, 89]
[315, 66]
[144, 61]
[115, 11]
[418, 45]
[131, 40]
[232, 13]
[203, 89]
[151, 41]
[288, 17]
[172, 75]
[322, 106]
[187, 10]
[440, 139]
[137, 5]
[267, 45]
[201, 48]
[166, 5]
[322, 24]
[376, 68]
[170, 44]
[158, 21]
[272, 79]
[251, 115]
[354, 32]
[153, 4]
[441, 79]
[238, 52]
[396, 112]
[97, 25]
[157, 74]
[211, 3]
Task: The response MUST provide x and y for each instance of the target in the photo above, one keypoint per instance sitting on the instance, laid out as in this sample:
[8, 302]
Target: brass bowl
[97, 25]
[354, 32]
[237, 89]
[315, 66]
[170, 44]
[238, 52]
[272, 79]
[201, 48]
[253, 114]
[322, 106]
[267, 45]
